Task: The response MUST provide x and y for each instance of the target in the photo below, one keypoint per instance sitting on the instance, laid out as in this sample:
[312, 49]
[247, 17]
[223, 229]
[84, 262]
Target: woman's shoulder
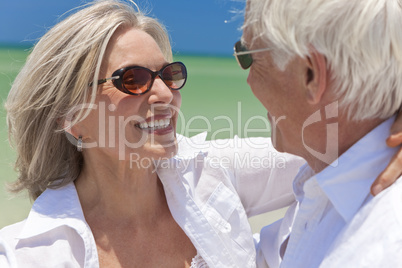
[54, 208]
[8, 242]
[8, 234]
[55, 224]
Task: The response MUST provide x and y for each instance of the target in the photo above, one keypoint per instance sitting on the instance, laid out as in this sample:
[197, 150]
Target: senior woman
[93, 114]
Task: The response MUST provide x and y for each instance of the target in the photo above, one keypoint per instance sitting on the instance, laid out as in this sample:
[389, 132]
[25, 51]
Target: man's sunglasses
[243, 55]
[137, 80]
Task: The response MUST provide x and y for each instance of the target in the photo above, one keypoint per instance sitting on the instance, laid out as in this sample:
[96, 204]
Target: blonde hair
[361, 40]
[55, 79]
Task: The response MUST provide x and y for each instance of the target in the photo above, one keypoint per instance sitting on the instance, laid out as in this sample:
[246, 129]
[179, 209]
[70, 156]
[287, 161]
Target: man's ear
[316, 76]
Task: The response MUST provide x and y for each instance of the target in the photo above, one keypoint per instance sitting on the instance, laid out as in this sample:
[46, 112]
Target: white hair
[361, 40]
[54, 80]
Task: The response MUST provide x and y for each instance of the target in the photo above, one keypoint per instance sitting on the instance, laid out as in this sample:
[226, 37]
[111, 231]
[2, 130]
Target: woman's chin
[159, 151]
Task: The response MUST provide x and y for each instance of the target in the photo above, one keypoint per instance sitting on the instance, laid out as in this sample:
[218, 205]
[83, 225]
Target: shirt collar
[190, 147]
[347, 185]
[305, 173]
[54, 208]
[189, 150]
[191, 154]
[180, 176]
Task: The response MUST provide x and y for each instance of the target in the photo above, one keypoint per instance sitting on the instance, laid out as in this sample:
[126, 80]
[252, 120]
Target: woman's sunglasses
[137, 80]
[243, 55]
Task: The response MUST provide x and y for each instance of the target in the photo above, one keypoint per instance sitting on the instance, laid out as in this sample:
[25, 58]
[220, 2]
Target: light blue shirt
[327, 205]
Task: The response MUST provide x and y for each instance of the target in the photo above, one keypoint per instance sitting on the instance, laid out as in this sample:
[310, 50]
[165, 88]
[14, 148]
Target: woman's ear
[316, 76]
[66, 124]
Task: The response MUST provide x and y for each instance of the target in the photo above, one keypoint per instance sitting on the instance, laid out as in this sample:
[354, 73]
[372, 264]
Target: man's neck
[349, 132]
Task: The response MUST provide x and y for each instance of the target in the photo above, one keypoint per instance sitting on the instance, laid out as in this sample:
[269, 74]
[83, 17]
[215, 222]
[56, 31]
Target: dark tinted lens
[246, 60]
[137, 80]
[175, 75]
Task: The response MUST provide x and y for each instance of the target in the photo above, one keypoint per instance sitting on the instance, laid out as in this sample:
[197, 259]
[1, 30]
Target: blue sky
[195, 26]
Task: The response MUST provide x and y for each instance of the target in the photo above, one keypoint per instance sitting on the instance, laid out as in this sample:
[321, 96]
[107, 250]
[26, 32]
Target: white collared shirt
[335, 215]
[200, 185]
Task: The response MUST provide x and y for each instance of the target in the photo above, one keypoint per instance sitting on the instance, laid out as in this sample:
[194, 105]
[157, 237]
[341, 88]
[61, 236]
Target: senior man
[330, 75]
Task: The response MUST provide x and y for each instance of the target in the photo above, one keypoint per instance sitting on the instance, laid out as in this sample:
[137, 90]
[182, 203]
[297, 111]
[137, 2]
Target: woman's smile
[159, 125]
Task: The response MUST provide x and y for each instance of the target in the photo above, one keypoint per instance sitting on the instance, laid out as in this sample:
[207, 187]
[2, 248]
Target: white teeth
[163, 123]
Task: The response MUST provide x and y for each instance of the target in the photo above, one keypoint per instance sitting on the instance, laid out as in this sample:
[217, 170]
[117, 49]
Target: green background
[216, 99]
[16, 208]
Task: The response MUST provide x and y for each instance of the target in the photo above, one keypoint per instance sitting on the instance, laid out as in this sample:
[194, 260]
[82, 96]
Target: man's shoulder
[385, 208]
[374, 236]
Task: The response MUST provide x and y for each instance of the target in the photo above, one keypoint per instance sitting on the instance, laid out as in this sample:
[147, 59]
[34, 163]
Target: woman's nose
[160, 92]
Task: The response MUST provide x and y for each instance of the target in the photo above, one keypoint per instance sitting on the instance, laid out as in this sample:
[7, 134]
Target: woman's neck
[120, 193]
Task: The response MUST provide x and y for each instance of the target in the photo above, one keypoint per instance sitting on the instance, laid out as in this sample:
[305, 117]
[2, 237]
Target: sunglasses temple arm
[250, 51]
[101, 81]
